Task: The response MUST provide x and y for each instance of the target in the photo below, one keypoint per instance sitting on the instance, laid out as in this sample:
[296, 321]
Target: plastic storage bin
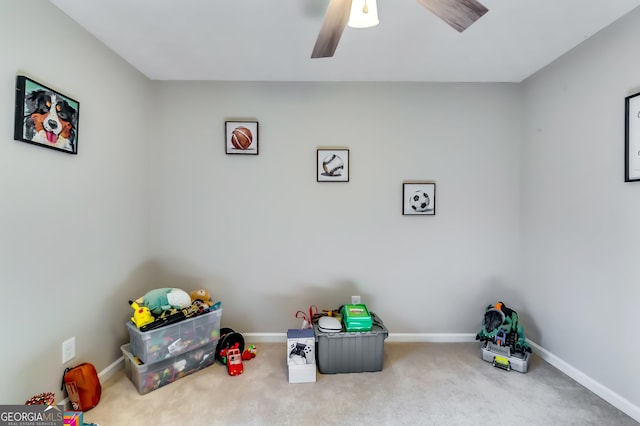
[175, 339]
[149, 377]
[351, 352]
[516, 361]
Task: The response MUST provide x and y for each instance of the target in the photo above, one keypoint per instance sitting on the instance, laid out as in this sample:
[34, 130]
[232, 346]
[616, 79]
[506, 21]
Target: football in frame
[419, 198]
[332, 165]
[241, 137]
[45, 117]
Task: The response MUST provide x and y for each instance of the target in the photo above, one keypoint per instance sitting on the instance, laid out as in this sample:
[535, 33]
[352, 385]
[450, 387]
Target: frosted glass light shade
[358, 18]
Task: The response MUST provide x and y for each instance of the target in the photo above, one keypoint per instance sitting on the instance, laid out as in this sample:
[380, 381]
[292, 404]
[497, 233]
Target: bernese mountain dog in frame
[45, 117]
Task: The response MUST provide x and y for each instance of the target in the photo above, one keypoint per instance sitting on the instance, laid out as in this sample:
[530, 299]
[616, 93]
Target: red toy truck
[234, 362]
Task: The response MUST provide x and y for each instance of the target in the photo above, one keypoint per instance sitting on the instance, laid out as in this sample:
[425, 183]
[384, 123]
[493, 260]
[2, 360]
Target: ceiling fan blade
[460, 14]
[332, 27]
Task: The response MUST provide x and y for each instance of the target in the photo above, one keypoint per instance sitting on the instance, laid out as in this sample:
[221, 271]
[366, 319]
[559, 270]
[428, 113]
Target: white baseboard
[431, 337]
[393, 337]
[599, 389]
[111, 369]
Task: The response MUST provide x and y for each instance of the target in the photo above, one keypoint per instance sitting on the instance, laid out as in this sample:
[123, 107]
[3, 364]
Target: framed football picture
[241, 137]
[45, 117]
[419, 198]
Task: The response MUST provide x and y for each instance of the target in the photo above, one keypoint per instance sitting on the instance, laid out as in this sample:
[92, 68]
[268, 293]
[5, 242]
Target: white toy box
[301, 355]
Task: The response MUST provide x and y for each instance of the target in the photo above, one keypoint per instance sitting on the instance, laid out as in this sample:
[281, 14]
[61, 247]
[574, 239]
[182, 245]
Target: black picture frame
[241, 137]
[332, 165]
[419, 198]
[45, 117]
[632, 138]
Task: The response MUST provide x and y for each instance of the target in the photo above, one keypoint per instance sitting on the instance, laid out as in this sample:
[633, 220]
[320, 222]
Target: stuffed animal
[202, 297]
[162, 299]
[141, 315]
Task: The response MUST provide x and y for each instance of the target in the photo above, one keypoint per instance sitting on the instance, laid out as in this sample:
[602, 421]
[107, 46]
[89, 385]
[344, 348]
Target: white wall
[73, 228]
[579, 218]
[267, 239]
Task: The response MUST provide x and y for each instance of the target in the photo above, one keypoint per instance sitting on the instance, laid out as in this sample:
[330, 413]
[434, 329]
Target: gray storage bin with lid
[351, 352]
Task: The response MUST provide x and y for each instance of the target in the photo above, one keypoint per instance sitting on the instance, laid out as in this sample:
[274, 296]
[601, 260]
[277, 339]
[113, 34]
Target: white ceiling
[260, 40]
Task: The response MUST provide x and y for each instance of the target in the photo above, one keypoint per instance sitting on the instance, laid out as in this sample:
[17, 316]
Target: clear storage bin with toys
[171, 340]
[149, 377]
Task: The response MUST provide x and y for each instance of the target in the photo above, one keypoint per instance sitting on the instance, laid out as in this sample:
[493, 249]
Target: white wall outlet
[68, 350]
[355, 300]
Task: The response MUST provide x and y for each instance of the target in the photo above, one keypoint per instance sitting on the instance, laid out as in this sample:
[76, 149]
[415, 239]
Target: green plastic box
[356, 318]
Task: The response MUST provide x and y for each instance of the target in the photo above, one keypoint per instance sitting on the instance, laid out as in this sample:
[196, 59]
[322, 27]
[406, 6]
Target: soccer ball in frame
[419, 198]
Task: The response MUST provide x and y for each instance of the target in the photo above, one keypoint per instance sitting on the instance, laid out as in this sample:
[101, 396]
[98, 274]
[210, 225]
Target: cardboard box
[301, 355]
[301, 346]
[305, 373]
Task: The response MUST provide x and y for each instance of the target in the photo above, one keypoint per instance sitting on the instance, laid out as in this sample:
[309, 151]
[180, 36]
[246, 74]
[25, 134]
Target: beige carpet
[420, 384]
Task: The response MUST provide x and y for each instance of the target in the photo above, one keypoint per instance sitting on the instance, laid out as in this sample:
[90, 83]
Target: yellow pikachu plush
[141, 315]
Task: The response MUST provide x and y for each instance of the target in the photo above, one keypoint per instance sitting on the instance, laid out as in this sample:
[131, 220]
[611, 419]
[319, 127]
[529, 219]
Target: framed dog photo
[632, 138]
[332, 165]
[419, 198]
[45, 117]
[241, 137]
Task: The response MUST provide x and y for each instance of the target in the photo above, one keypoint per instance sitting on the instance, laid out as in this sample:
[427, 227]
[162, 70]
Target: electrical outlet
[68, 350]
[355, 300]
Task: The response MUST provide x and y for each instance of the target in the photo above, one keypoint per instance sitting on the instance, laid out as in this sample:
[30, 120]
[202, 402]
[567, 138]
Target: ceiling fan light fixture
[364, 14]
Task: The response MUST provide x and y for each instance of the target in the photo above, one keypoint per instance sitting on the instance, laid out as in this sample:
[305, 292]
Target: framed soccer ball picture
[332, 165]
[241, 137]
[419, 198]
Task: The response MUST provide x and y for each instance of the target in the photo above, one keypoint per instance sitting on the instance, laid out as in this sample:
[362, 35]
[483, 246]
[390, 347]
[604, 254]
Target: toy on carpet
[504, 343]
[224, 352]
[141, 315]
[228, 339]
[234, 362]
[162, 299]
[249, 353]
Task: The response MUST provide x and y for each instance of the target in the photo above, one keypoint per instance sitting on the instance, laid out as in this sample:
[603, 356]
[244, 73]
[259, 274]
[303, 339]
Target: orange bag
[82, 386]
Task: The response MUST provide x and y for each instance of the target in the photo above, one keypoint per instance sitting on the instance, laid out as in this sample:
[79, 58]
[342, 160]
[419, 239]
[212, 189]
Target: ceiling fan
[459, 14]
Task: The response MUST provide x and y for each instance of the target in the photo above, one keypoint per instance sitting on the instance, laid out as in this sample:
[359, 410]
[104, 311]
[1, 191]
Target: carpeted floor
[420, 384]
